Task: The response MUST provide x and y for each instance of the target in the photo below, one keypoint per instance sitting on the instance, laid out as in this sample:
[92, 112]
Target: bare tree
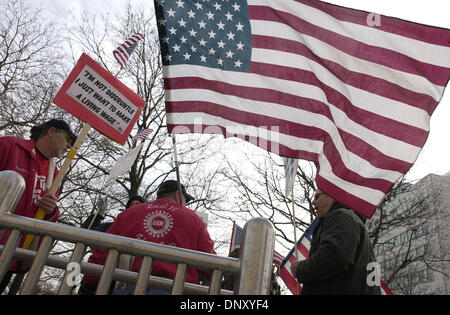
[258, 190]
[30, 66]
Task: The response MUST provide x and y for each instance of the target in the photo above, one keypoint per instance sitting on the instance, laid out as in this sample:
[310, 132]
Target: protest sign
[124, 163]
[290, 170]
[96, 97]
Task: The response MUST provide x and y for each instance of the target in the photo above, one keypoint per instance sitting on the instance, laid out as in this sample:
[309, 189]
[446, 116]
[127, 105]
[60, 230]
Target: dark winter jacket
[339, 255]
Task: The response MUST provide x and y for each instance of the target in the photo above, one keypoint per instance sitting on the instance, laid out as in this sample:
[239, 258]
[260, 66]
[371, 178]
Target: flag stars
[171, 12]
[230, 54]
[202, 24]
[162, 22]
[209, 36]
[187, 56]
[229, 16]
[212, 34]
[191, 14]
[192, 32]
[221, 26]
[180, 4]
[176, 48]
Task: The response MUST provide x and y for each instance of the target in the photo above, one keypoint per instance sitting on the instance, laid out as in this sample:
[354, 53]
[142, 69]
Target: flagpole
[295, 233]
[177, 168]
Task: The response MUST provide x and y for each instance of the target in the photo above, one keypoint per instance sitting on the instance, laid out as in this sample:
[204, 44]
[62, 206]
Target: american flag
[307, 79]
[303, 246]
[142, 135]
[124, 51]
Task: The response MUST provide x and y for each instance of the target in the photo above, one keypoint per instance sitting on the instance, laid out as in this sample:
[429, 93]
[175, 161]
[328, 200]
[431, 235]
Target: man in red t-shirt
[31, 159]
[166, 221]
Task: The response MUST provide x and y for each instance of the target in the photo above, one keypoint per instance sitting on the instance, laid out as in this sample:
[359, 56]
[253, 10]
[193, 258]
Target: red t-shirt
[164, 222]
[21, 156]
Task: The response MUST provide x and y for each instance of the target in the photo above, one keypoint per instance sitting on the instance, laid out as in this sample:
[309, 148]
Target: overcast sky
[435, 157]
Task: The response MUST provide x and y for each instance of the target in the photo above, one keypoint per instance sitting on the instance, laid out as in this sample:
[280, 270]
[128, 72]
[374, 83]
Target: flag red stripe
[307, 132]
[351, 201]
[119, 58]
[382, 125]
[372, 121]
[366, 151]
[303, 250]
[289, 280]
[359, 80]
[425, 33]
[379, 55]
[270, 146]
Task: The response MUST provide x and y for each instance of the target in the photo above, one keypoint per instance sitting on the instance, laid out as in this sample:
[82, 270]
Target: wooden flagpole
[177, 166]
[40, 214]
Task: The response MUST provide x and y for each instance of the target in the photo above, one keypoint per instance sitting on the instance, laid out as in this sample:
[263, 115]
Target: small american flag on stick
[142, 135]
[124, 51]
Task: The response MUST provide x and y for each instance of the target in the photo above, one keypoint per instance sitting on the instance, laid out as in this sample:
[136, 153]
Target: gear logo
[158, 223]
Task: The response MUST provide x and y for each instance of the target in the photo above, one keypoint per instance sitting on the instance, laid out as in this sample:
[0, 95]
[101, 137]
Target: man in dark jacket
[340, 252]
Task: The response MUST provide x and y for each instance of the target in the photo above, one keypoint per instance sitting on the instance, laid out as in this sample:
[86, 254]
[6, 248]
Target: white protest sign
[99, 99]
[290, 169]
[124, 163]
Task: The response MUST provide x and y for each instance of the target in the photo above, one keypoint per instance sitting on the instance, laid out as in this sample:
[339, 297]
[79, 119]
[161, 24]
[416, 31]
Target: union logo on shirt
[158, 223]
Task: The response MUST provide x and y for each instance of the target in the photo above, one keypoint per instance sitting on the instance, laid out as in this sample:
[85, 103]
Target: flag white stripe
[387, 145]
[425, 52]
[373, 103]
[360, 98]
[370, 195]
[325, 51]
[351, 161]
[295, 143]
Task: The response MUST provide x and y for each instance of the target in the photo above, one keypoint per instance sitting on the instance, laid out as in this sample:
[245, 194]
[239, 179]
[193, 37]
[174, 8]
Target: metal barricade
[252, 269]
